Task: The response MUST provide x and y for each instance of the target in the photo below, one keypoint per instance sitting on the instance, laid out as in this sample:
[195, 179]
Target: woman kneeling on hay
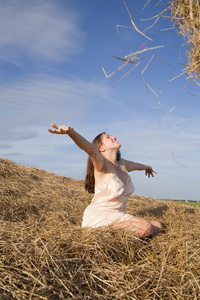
[107, 177]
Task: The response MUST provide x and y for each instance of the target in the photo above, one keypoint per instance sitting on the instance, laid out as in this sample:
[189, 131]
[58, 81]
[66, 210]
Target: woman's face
[109, 142]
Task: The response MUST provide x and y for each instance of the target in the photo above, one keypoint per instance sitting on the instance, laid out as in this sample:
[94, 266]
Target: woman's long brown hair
[89, 182]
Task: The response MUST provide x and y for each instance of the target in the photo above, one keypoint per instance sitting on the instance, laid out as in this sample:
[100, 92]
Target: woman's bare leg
[141, 227]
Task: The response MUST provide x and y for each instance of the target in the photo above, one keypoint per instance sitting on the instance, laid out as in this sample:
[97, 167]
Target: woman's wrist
[147, 167]
[70, 131]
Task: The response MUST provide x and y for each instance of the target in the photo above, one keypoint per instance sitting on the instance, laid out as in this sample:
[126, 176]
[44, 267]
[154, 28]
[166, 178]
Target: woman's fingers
[54, 125]
[149, 172]
[52, 131]
[59, 129]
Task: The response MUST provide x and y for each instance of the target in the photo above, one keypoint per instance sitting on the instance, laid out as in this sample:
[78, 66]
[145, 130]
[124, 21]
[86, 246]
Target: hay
[45, 254]
[186, 16]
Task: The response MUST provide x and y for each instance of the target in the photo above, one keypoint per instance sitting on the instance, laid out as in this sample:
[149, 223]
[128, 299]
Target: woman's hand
[59, 129]
[149, 171]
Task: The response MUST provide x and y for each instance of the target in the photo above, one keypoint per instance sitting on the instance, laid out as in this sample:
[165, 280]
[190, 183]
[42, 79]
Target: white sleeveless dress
[109, 202]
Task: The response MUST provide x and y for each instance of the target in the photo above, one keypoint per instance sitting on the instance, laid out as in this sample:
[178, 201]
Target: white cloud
[39, 28]
[194, 136]
[42, 100]
[5, 146]
[16, 135]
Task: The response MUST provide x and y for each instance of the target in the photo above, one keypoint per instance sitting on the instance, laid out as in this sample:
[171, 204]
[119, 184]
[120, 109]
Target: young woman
[107, 177]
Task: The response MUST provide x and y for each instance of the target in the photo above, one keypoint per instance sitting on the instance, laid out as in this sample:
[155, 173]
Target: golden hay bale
[45, 254]
[186, 16]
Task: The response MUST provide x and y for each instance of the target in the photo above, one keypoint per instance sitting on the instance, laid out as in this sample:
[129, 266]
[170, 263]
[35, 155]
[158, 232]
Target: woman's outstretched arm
[97, 159]
[133, 166]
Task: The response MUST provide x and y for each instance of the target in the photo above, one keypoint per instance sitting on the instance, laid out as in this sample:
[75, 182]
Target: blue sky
[51, 54]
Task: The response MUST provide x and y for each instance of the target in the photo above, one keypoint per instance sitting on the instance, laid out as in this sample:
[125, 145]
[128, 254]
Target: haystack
[186, 16]
[45, 254]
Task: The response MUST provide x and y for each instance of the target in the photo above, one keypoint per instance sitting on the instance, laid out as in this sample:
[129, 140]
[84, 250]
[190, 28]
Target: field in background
[190, 203]
[45, 254]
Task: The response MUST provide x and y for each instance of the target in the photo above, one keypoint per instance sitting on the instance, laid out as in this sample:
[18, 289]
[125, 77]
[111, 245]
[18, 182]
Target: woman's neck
[111, 156]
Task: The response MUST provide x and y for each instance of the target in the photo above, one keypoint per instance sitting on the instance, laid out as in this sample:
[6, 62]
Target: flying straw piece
[191, 94]
[179, 162]
[107, 76]
[144, 71]
[176, 77]
[119, 68]
[159, 33]
[152, 24]
[162, 12]
[144, 50]
[168, 113]
[134, 23]
[145, 85]
[146, 4]
[166, 116]
[159, 96]
[167, 29]
[148, 64]
[126, 74]
[196, 82]
[133, 59]
[123, 27]
[152, 90]
[186, 84]
[185, 44]
[180, 60]
[158, 3]
[156, 107]
[164, 61]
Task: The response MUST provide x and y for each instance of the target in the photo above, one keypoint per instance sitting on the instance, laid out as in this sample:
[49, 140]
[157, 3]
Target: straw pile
[44, 253]
[186, 16]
